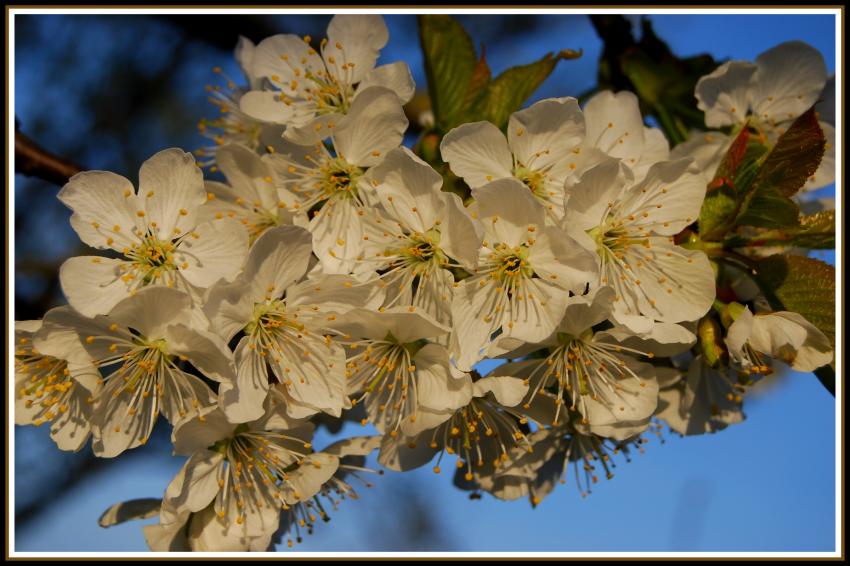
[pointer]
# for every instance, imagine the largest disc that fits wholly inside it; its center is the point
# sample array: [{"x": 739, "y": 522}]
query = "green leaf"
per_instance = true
[
  {"x": 450, "y": 64},
  {"x": 731, "y": 182},
  {"x": 792, "y": 160},
  {"x": 815, "y": 232},
  {"x": 768, "y": 208},
  {"x": 479, "y": 81},
  {"x": 800, "y": 284},
  {"x": 795, "y": 157},
  {"x": 506, "y": 93}
]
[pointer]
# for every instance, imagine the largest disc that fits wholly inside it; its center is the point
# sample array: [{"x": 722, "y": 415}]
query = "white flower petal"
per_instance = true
[
  {"x": 214, "y": 250},
  {"x": 267, "y": 106},
  {"x": 102, "y": 201},
  {"x": 314, "y": 129},
  {"x": 655, "y": 148},
  {"x": 725, "y": 93},
  {"x": 460, "y": 235},
  {"x": 93, "y": 284},
  {"x": 171, "y": 186},
  {"x": 478, "y": 152},
  {"x": 375, "y": 125},
  {"x": 324, "y": 294},
  {"x": 250, "y": 176},
  {"x": 543, "y": 135},
  {"x": 705, "y": 405},
  {"x": 668, "y": 199},
  {"x": 561, "y": 261},
  {"x": 613, "y": 124},
  {"x": 508, "y": 391},
  {"x": 192, "y": 434},
  {"x": 676, "y": 284},
  {"x": 395, "y": 76},
  {"x": 588, "y": 199},
  {"x": 277, "y": 58},
  {"x": 355, "y": 40},
  {"x": 242, "y": 399},
  {"x": 585, "y": 311},
  {"x": 277, "y": 260},
  {"x": 306, "y": 481},
  {"x": 204, "y": 350},
  {"x": 507, "y": 209},
  {"x": 130, "y": 510},
  {"x": 151, "y": 309},
  {"x": 338, "y": 231},
  {"x": 196, "y": 484},
  {"x": 229, "y": 307},
  {"x": 402, "y": 454},
  {"x": 436, "y": 388},
  {"x": 408, "y": 188},
  {"x": 788, "y": 81},
  {"x": 789, "y": 337},
  {"x": 707, "y": 150},
  {"x": 406, "y": 325}
]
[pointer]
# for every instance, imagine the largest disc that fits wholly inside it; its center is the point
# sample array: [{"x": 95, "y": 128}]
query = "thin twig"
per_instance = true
[{"x": 35, "y": 161}]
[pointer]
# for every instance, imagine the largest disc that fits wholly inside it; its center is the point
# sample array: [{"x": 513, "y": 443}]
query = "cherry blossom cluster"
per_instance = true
[{"x": 327, "y": 272}]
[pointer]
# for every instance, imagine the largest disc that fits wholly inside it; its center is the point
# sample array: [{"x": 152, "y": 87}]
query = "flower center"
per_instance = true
[
  {"x": 419, "y": 252},
  {"x": 152, "y": 259},
  {"x": 339, "y": 179},
  {"x": 328, "y": 93},
  {"x": 534, "y": 180},
  {"x": 43, "y": 381},
  {"x": 511, "y": 264}
]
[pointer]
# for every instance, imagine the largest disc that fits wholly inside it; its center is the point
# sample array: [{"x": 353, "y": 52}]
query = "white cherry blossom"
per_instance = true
[
  {"x": 241, "y": 475},
  {"x": 768, "y": 95},
  {"x": 394, "y": 366},
  {"x": 525, "y": 273},
  {"x": 317, "y": 90},
  {"x": 331, "y": 186},
  {"x": 542, "y": 150},
  {"x": 251, "y": 195},
  {"x": 139, "y": 345},
  {"x": 599, "y": 377},
  {"x": 783, "y": 335},
  {"x": 157, "y": 231},
  {"x": 55, "y": 382},
  {"x": 630, "y": 225},
  {"x": 284, "y": 317},
  {"x": 480, "y": 433},
  {"x": 420, "y": 234}
]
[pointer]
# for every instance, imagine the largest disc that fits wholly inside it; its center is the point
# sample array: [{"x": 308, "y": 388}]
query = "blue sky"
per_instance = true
[{"x": 764, "y": 485}]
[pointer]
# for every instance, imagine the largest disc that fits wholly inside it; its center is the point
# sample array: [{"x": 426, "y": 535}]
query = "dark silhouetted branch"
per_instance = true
[{"x": 35, "y": 161}]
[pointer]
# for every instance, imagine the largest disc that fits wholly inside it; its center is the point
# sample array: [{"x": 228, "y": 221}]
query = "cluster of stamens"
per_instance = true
[
  {"x": 580, "y": 368},
  {"x": 49, "y": 383},
  {"x": 480, "y": 435},
  {"x": 385, "y": 372},
  {"x": 148, "y": 376},
  {"x": 283, "y": 342},
  {"x": 254, "y": 459},
  {"x": 230, "y": 126}
]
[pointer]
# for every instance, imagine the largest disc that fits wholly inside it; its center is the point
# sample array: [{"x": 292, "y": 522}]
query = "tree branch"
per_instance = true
[{"x": 34, "y": 161}]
